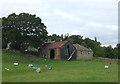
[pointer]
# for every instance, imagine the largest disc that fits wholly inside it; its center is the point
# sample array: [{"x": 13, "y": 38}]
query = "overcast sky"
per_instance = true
[{"x": 89, "y": 18}]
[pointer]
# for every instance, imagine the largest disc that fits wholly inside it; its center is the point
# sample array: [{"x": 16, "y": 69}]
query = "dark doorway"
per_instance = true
[
  {"x": 52, "y": 54},
  {"x": 68, "y": 50}
]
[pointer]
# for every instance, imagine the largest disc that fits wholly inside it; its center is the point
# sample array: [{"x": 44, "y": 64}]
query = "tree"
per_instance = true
[
  {"x": 96, "y": 39},
  {"x": 98, "y": 51},
  {"x": 23, "y": 30},
  {"x": 75, "y": 39},
  {"x": 118, "y": 50},
  {"x": 115, "y": 51},
  {"x": 109, "y": 52},
  {"x": 95, "y": 46},
  {"x": 61, "y": 36},
  {"x": 65, "y": 37},
  {"x": 54, "y": 37}
]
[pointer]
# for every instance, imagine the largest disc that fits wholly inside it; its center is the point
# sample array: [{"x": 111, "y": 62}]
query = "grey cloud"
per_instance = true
[{"x": 89, "y": 18}]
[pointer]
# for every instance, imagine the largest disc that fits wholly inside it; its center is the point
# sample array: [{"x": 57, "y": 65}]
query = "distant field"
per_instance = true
[{"x": 63, "y": 71}]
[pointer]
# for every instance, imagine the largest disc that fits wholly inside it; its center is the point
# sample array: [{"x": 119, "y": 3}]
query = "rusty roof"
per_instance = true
[
  {"x": 79, "y": 47},
  {"x": 57, "y": 44}
]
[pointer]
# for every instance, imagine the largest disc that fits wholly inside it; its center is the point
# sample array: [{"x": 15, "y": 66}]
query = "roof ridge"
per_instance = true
[
  {"x": 80, "y": 47},
  {"x": 57, "y": 44}
]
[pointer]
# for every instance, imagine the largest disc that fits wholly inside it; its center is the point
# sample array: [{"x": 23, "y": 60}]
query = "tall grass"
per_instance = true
[{"x": 63, "y": 71}]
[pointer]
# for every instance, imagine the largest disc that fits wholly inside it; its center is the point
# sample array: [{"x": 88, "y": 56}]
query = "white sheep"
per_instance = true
[
  {"x": 7, "y": 69},
  {"x": 106, "y": 67},
  {"x": 16, "y": 64},
  {"x": 30, "y": 65},
  {"x": 45, "y": 65},
  {"x": 38, "y": 70}
]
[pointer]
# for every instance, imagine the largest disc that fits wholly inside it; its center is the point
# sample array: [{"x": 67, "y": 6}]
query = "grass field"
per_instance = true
[{"x": 63, "y": 71}]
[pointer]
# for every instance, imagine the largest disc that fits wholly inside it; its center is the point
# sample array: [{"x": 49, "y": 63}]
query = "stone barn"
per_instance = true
[
  {"x": 63, "y": 50},
  {"x": 83, "y": 53}
]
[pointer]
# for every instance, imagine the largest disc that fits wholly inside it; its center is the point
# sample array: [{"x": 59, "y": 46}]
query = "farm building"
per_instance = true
[
  {"x": 83, "y": 53},
  {"x": 63, "y": 50}
]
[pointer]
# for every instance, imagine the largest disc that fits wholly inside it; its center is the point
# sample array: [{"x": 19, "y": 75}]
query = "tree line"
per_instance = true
[{"x": 25, "y": 30}]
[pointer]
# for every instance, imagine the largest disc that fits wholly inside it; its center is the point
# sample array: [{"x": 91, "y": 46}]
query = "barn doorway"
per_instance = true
[
  {"x": 52, "y": 54},
  {"x": 68, "y": 50}
]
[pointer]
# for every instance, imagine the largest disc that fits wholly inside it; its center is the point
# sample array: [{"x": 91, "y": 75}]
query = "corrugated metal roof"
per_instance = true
[
  {"x": 79, "y": 47},
  {"x": 57, "y": 44}
]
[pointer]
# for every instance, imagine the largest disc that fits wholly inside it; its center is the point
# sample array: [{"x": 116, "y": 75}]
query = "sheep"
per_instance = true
[
  {"x": 45, "y": 65},
  {"x": 7, "y": 69},
  {"x": 38, "y": 70},
  {"x": 15, "y": 64},
  {"x": 30, "y": 65},
  {"x": 106, "y": 67}
]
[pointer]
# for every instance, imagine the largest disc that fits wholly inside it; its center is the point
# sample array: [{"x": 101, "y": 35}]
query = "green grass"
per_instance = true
[{"x": 63, "y": 71}]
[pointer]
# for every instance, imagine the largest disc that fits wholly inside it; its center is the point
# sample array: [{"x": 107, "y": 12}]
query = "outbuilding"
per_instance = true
[
  {"x": 62, "y": 50},
  {"x": 83, "y": 53}
]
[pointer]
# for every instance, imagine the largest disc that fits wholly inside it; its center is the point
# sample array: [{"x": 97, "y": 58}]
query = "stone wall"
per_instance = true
[
  {"x": 105, "y": 59},
  {"x": 84, "y": 55}
]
